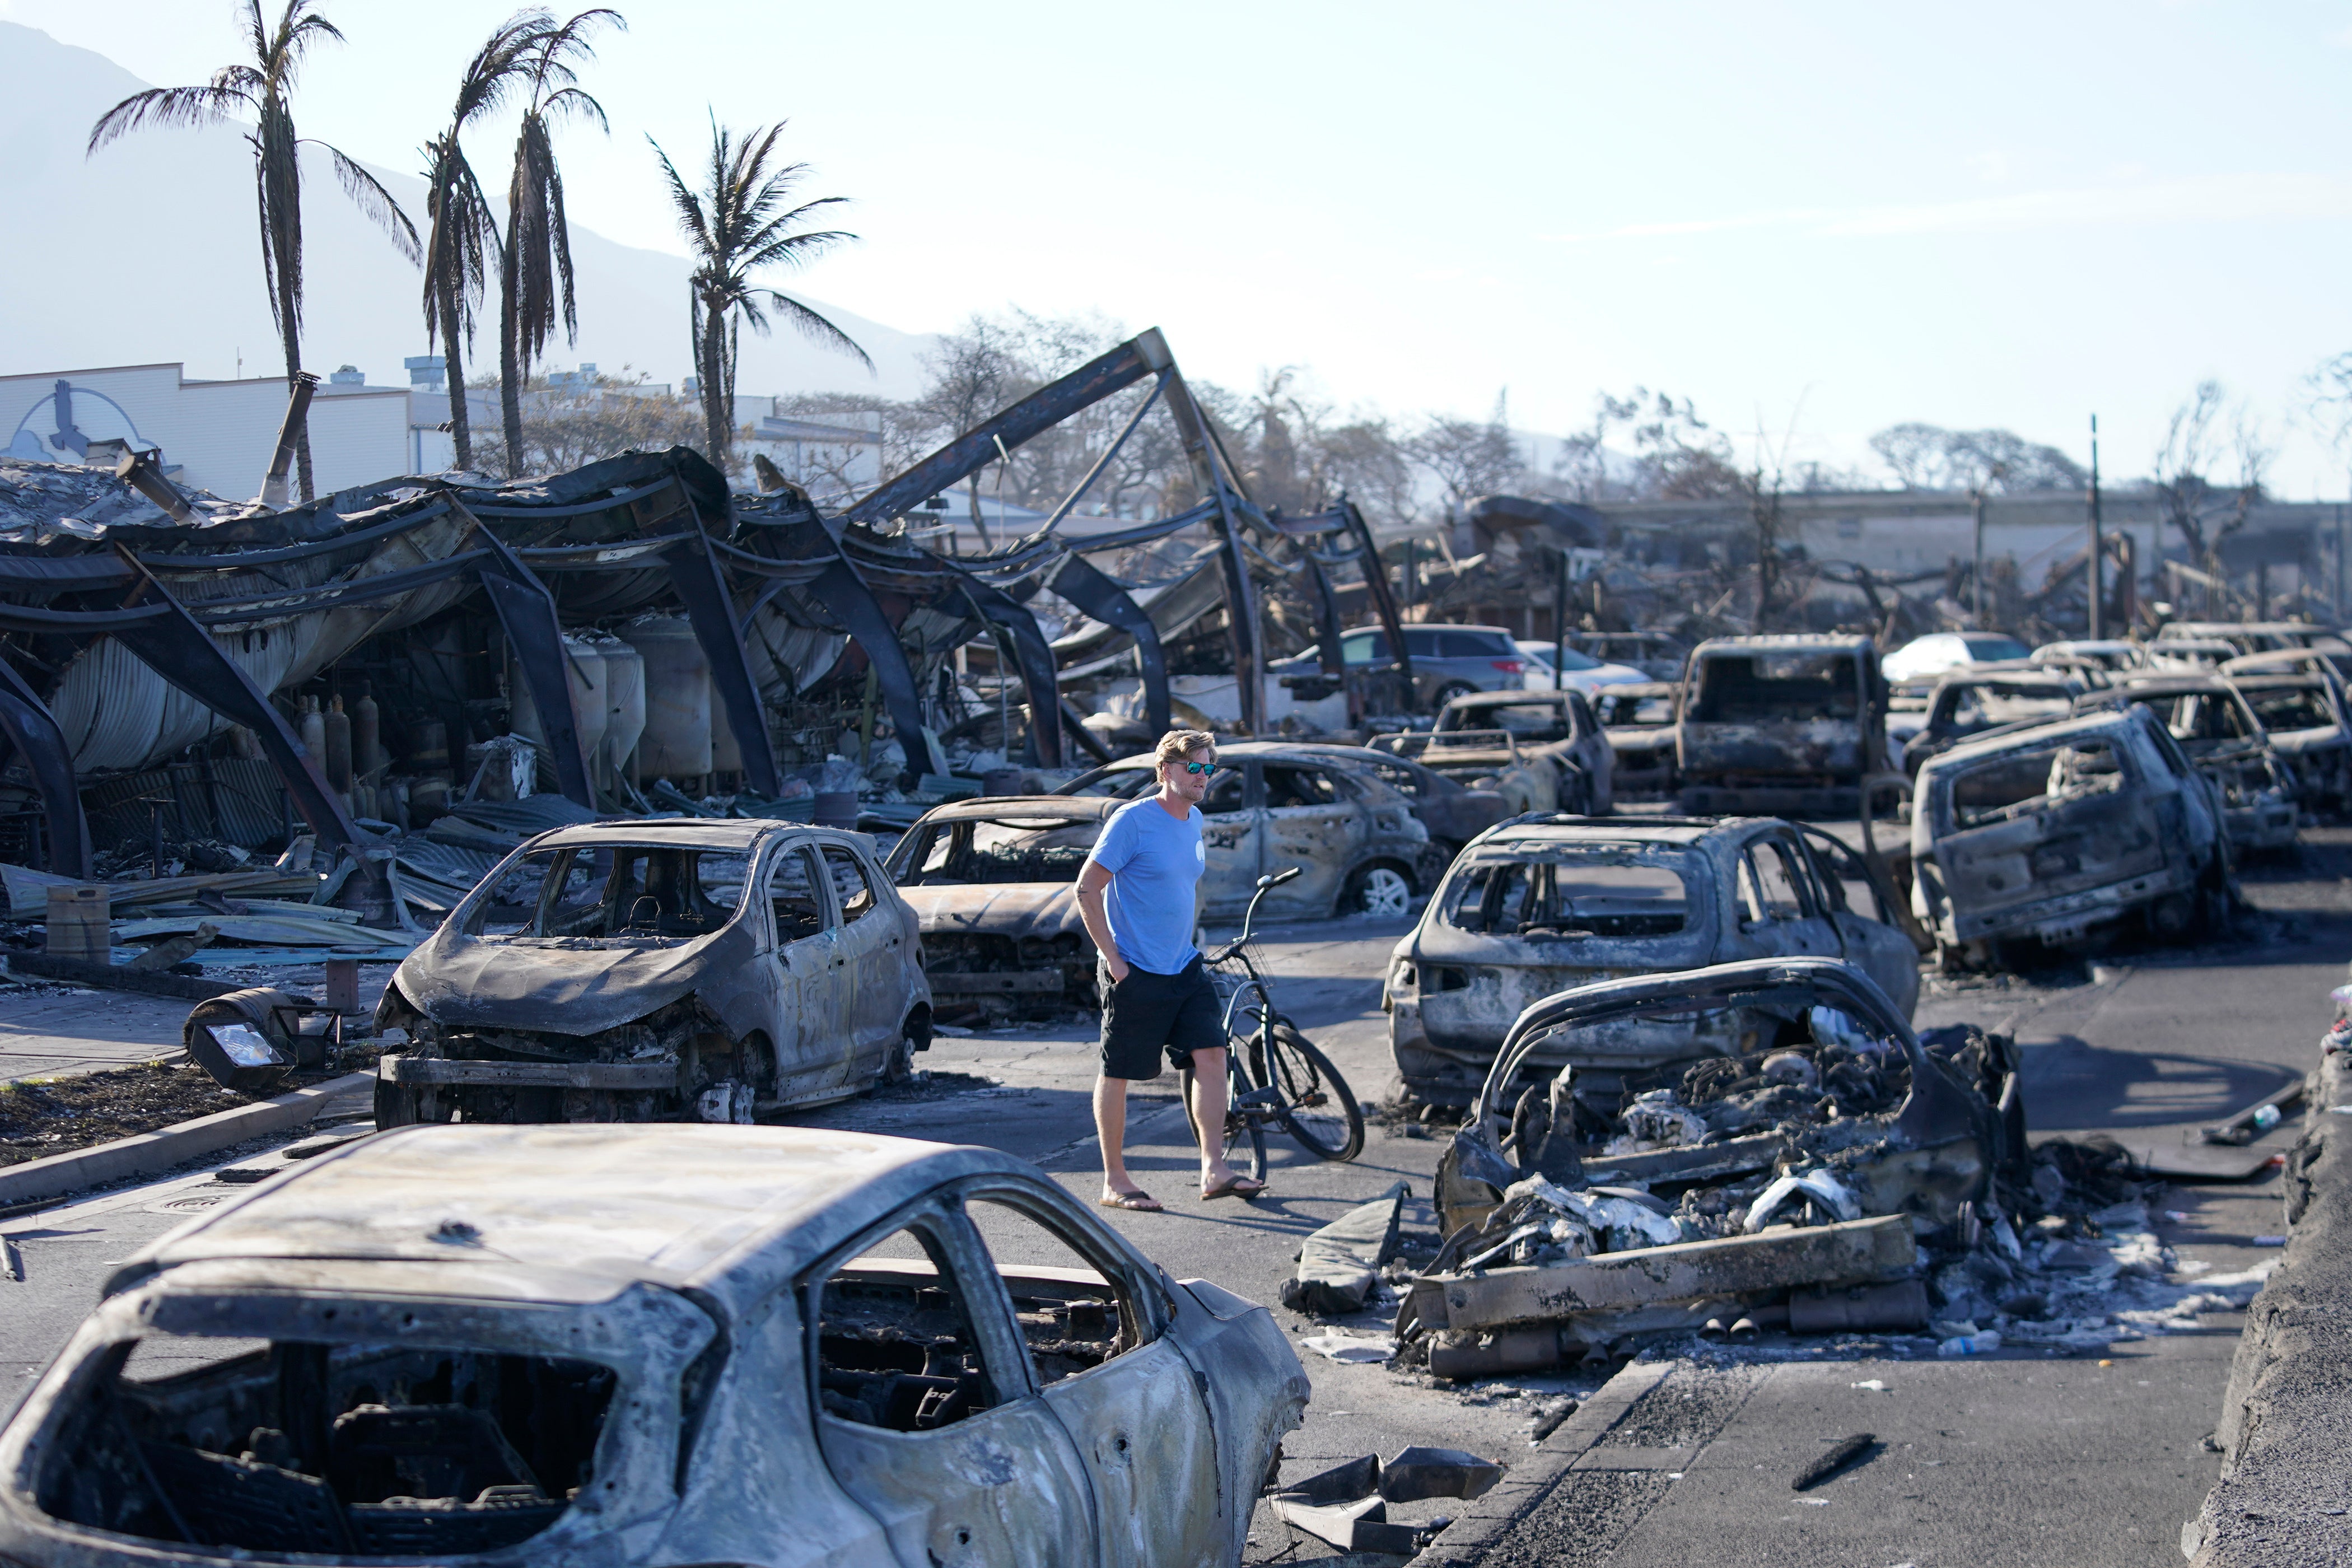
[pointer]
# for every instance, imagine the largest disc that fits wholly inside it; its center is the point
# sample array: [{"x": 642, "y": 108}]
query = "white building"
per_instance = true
[{"x": 216, "y": 436}]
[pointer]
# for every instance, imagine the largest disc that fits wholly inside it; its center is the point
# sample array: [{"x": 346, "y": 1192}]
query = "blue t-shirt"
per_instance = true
[{"x": 1154, "y": 860}]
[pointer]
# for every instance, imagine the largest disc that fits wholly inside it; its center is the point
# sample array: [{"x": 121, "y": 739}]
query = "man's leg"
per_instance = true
[
  {"x": 1110, "y": 1128},
  {"x": 1209, "y": 1115}
]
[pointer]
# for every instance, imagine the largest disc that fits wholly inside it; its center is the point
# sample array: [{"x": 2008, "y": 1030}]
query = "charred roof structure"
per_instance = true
[{"x": 137, "y": 621}]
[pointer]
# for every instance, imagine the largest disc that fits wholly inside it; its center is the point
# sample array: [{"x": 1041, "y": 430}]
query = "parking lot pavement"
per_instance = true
[
  {"x": 2016, "y": 1459},
  {"x": 47, "y": 1031}
]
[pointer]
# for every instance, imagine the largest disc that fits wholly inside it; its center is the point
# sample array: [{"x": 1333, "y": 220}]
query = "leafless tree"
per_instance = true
[
  {"x": 1469, "y": 458},
  {"x": 583, "y": 419},
  {"x": 1928, "y": 457}
]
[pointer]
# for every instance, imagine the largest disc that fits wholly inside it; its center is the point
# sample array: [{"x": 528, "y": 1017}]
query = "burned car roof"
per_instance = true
[
  {"x": 690, "y": 833},
  {"x": 1043, "y": 807},
  {"x": 673, "y": 1203},
  {"x": 1526, "y": 831},
  {"x": 2029, "y": 733}
]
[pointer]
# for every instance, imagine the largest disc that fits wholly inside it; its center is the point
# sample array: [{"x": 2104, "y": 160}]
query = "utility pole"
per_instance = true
[
  {"x": 2098, "y": 565},
  {"x": 1560, "y": 627},
  {"x": 1976, "y": 582}
]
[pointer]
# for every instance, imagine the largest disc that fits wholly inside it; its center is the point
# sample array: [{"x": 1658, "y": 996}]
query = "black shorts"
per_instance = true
[{"x": 1145, "y": 1013}]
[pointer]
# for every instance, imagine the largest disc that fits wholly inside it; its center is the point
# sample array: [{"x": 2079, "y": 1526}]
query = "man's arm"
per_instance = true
[{"x": 1092, "y": 879}]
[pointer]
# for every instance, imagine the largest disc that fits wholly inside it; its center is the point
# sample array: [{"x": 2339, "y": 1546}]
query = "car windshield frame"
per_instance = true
[{"x": 471, "y": 917}]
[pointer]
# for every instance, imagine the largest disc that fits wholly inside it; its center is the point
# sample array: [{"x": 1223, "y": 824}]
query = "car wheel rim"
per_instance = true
[{"x": 1386, "y": 893}]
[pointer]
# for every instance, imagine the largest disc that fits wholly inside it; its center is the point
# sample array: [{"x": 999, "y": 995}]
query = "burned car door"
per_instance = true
[
  {"x": 1871, "y": 924},
  {"x": 926, "y": 1410},
  {"x": 873, "y": 990},
  {"x": 1122, "y": 1389},
  {"x": 1779, "y": 909},
  {"x": 1233, "y": 842},
  {"x": 1311, "y": 823},
  {"x": 810, "y": 1054},
  {"x": 2027, "y": 826}
]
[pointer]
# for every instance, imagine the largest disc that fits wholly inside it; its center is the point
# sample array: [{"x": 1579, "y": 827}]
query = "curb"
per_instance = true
[
  {"x": 2284, "y": 1421},
  {"x": 1523, "y": 1486},
  {"x": 150, "y": 1153}
]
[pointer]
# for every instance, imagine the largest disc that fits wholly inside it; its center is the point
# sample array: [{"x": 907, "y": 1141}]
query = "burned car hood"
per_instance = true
[
  {"x": 997, "y": 909},
  {"x": 576, "y": 988}
]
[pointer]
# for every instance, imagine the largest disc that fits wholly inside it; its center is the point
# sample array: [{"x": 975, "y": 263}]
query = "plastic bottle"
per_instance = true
[{"x": 1981, "y": 1344}]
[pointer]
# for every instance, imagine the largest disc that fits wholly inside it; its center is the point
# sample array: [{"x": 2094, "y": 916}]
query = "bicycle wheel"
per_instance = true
[
  {"x": 1244, "y": 1141},
  {"x": 1319, "y": 1109}
]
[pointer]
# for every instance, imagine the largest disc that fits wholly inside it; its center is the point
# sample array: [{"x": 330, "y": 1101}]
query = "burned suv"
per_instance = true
[{"x": 659, "y": 972}]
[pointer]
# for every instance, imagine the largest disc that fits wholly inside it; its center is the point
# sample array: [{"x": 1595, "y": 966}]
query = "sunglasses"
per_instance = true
[{"x": 1203, "y": 768}]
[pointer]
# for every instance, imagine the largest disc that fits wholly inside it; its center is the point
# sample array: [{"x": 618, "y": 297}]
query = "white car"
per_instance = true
[
  {"x": 1939, "y": 651},
  {"x": 1585, "y": 673}
]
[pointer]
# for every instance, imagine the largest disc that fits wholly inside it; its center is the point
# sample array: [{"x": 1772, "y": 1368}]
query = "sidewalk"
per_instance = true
[{"x": 48, "y": 1033}]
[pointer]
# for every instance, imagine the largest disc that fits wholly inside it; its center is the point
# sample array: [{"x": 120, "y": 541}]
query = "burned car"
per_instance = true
[
  {"x": 643, "y": 971},
  {"x": 1542, "y": 905},
  {"x": 649, "y": 1344},
  {"x": 1639, "y": 722},
  {"x": 2221, "y": 735},
  {"x": 1972, "y": 699},
  {"x": 993, "y": 884},
  {"x": 1524, "y": 776},
  {"x": 1560, "y": 725},
  {"x": 1787, "y": 725},
  {"x": 2051, "y": 832},
  {"x": 1271, "y": 806},
  {"x": 2301, "y": 706},
  {"x": 1455, "y": 813},
  {"x": 1811, "y": 1142}
]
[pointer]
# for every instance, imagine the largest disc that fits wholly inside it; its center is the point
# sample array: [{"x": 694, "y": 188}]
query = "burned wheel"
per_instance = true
[{"x": 1379, "y": 890}]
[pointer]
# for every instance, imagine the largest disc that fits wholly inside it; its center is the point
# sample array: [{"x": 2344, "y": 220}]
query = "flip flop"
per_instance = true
[
  {"x": 1137, "y": 1201},
  {"x": 1239, "y": 1187}
]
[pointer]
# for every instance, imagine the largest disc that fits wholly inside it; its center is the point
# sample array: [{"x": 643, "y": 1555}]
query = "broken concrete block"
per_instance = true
[
  {"x": 1853, "y": 1252},
  {"x": 1339, "y": 1265},
  {"x": 1419, "y": 1473},
  {"x": 1351, "y": 1482},
  {"x": 1351, "y": 1526}
]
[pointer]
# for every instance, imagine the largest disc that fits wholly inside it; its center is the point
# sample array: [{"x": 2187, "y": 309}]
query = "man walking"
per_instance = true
[{"x": 1136, "y": 895}]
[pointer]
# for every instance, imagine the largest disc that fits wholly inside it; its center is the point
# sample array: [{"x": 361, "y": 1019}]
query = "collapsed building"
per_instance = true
[{"x": 630, "y": 635}]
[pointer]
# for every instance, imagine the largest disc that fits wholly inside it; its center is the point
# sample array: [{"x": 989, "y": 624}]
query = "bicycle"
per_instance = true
[{"x": 1275, "y": 1074}]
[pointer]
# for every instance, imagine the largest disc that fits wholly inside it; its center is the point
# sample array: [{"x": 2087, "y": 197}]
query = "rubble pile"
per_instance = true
[{"x": 1841, "y": 1175}]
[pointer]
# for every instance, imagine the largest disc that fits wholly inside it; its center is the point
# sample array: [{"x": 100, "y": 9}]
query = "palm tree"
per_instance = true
[
  {"x": 461, "y": 247},
  {"x": 263, "y": 88},
  {"x": 737, "y": 227},
  {"x": 535, "y": 264}
]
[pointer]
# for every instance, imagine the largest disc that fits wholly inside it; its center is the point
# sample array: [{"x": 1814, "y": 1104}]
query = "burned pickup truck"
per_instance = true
[
  {"x": 1539, "y": 906},
  {"x": 1806, "y": 1142},
  {"x": 649, "y": 1345},
  {"x": 2053, "y": 831},
  {"x": 636, "y": 971},
  {"x": 1789, "y": 725}
]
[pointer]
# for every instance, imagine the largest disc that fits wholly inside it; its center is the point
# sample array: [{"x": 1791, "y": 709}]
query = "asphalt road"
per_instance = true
[{"x": 2018, "y": 1458}]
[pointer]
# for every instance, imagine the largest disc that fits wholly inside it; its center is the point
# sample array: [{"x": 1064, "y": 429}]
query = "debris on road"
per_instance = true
[
  {"x": 1347, "y": 1505},
  {"x": 1339, "y": 1266}
]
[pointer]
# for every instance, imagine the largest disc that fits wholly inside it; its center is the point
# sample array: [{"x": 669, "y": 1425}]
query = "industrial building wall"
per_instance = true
[{"x": 219, "y": 434}]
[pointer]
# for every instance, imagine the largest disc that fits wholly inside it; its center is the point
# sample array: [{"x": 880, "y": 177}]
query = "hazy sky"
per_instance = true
[{"x": 1816, "y": 220}]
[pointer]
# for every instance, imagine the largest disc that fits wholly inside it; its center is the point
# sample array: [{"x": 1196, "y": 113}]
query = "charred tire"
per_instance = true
[
  {"x": 1377, "y": 890},
  {"x": 899, "y": 1062},
  {"x": 1322, "y": 1113}
]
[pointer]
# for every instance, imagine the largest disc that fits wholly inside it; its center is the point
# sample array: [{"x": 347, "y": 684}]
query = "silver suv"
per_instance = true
[{"x": 1447, "y": 662}]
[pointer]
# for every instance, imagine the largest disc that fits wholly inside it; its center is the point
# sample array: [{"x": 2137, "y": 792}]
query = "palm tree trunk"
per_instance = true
[
  {"x": 302, "y": 432},
  {"x": 509, "y": 356},
  {"x": 461, "y": 432},
  {"x": 715, "y": 411}
]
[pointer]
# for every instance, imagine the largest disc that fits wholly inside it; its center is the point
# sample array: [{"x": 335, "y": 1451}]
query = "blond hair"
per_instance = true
[{"x": 1176, "y": 742}]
